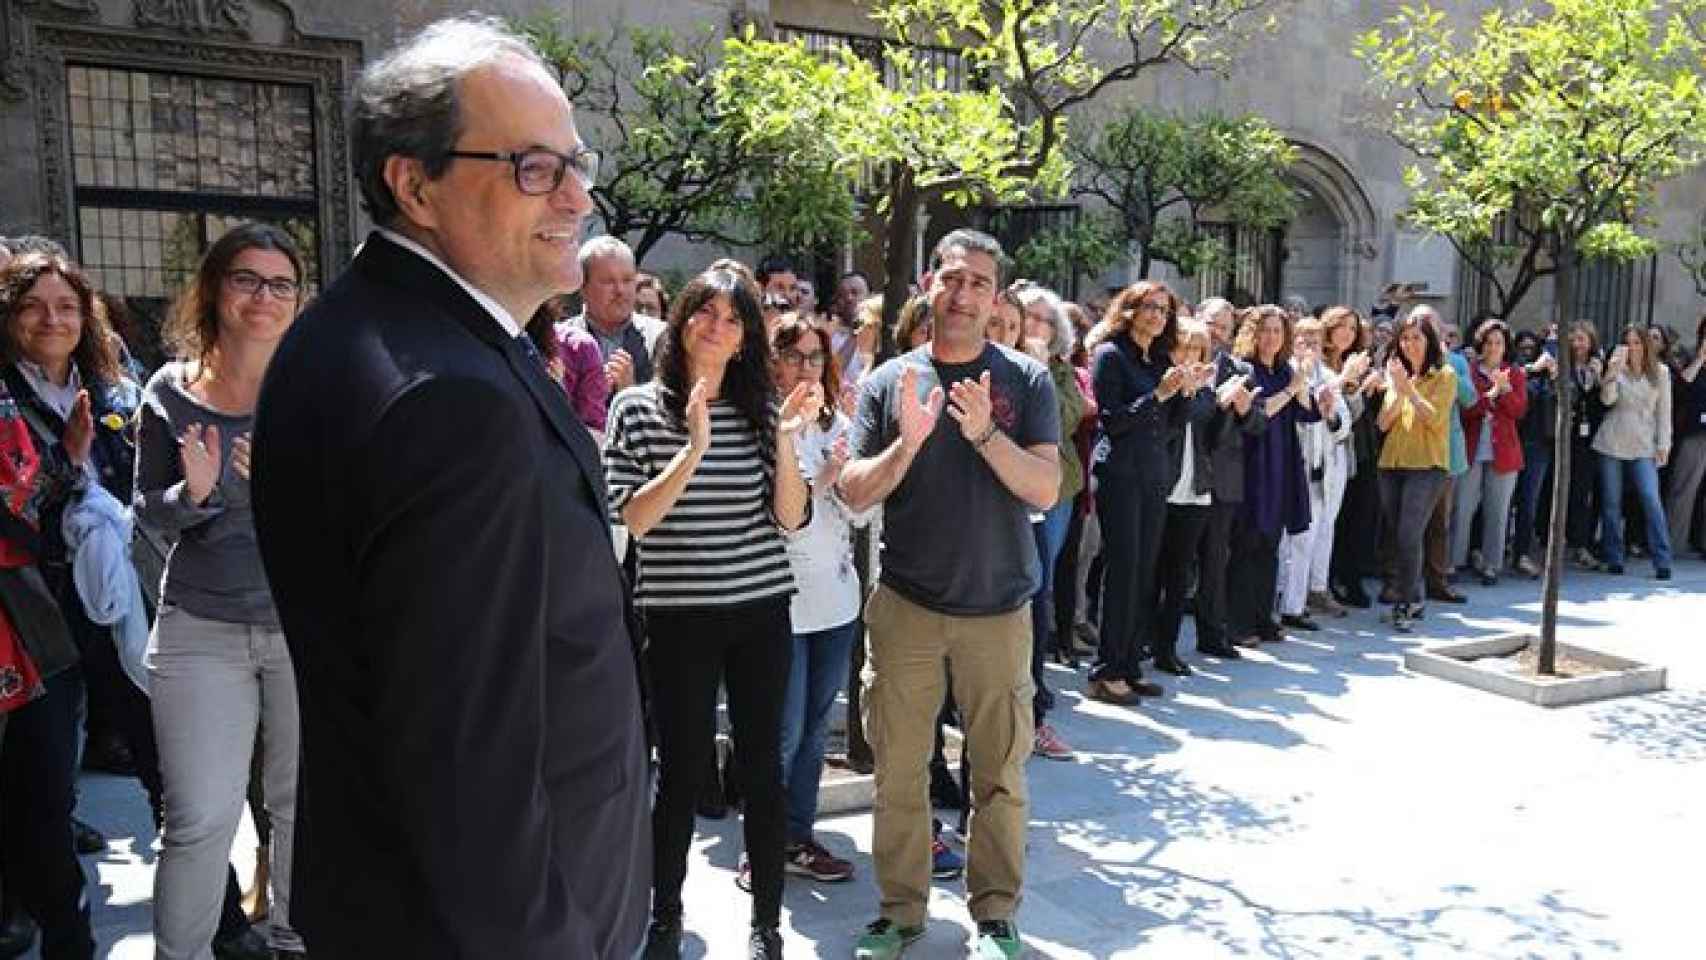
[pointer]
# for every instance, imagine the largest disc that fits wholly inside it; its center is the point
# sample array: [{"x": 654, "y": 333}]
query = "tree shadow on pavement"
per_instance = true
[{"x": 1669, "y": 725}]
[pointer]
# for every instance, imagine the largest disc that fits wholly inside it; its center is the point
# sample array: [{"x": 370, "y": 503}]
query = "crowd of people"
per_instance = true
[{"x": 438, "y": 571}]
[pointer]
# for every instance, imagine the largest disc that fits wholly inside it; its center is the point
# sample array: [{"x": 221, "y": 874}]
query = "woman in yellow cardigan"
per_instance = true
[{"x": 1415, "y": 416}]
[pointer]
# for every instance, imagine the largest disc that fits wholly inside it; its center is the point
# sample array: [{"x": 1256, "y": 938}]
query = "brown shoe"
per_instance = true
[
  {"x": 1323, "y": 603},
  {"x": 1116, "y": 692},
  {"x": 1144, "y": 688}
]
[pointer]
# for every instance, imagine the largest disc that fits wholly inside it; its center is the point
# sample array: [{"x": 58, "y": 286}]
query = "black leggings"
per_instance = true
[
  {"x": 749, "y": 649},
  {"x": 1250, "y": 582}
]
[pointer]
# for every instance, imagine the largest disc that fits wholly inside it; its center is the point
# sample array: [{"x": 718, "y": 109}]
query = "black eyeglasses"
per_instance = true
[
  {"x": 248, "y": 283},
  {"x": 540, "y": 170},
  {"x": 796, "y": 358}
]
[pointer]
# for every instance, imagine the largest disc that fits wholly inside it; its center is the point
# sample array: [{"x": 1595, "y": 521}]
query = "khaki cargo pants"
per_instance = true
[{"x": 907, "y": 649}]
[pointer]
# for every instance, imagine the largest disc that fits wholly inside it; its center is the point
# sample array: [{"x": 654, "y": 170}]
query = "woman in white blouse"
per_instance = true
[
  {"x": 825, "y": 610},
  {"x": 1633, "y": 442}
]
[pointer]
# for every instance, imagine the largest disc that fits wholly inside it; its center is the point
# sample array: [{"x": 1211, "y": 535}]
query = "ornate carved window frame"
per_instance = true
[{"x": 326, "y": 66}]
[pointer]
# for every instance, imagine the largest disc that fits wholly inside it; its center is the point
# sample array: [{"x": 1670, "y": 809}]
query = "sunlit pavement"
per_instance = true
[{"x": 1310, "y": 801}]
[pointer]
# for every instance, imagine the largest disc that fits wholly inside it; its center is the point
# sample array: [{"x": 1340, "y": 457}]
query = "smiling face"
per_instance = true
[
  {"x": 48, "y": 321},
  {"x": 1637, "y": 345},
  {"x": 1493, "y": 347},
  {"x": 714, "y": 333},
  {"x": 1413, "y": 344},
  {"x": 519, "y": 249},
  {"x": 261, "y": 315},
  {"x": 1039, "y": 321},
  {"x": 1270, "y": 338}
]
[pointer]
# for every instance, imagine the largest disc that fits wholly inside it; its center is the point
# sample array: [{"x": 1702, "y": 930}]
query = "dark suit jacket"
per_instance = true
[{"x": 473, "y": 779}]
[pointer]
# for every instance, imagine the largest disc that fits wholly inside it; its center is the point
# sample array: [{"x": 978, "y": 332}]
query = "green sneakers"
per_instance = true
[
  {"x": 886, "y": 940},
  {"x": 998, "y": 940}
]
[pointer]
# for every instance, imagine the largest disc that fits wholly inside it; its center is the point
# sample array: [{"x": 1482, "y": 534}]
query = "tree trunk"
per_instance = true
[
  {"x": 1564, "y": 284},
  {"x": 1144, "y": 263},
  {"x": 899, "y": 253}
]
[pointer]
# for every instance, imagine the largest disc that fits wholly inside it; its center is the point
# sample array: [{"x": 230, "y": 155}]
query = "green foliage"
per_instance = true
[
  {"x": 1574, "y": 116},
  {"x": 673, "y": 164},
  {"x": 970, "y": 100},
  {"x": 1091, "y": 246},
  {"x": 1162, "y": 175}
]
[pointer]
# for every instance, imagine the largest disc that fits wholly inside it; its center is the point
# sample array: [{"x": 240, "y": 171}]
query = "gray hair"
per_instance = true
[
  {"x": 407, "y": 103},
  {"x": 1296, "y": 306},
  {"x": 603, "y": 247},
  {"x": 972, "y": 241},
  {"x": 1061, "y": 337},
  {"x": 1214, "y": 307}
]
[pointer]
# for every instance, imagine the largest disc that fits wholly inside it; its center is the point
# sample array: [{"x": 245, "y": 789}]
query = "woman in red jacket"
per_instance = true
[{"x": 1494, "y": 446}]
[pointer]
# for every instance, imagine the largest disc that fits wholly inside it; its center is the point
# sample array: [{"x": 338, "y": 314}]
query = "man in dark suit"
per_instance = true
[{"x": 432, "y": 519}]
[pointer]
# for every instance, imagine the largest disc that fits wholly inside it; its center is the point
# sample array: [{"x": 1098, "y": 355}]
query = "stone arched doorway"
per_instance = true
[{"x": 1333, "y": 235}]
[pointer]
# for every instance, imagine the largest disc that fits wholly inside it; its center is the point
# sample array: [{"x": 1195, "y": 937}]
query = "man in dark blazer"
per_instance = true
[{"x": 431, "y": 515}]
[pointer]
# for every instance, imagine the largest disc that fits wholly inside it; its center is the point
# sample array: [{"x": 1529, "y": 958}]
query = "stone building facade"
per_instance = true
[{"x": 136, "y": 130}]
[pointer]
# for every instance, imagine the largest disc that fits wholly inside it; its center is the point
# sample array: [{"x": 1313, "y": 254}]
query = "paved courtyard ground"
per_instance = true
[{"x": 1311, "y": 801}]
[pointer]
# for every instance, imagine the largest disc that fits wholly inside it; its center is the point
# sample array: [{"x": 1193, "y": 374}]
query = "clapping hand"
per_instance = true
[
  {"x": 619, "y": 370},
  {"x": 1397, "y": 376},
  {"x": 699, "y": 418},
  {"x": 917, "y": 417},
  {"x": 802, "y": 407},
  {"x": 1619, "y": 360},
  {"x": 1327, "y": 400},
  {"x": 837, "y": 457},
  {"x": 199, "y": 453},
  {"x": 1355, "y": 366},
  {"x": 1501, "y": 381},
  {"x": 242, "y": 451},
  {"x": 969, "y": 403},
  {"x": 79, "y": 434},
  {"x": 1171, "y": 383}
]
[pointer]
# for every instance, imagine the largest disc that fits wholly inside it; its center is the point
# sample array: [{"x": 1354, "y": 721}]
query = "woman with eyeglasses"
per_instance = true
[
  {"x": 218, "y": 663},
  {"x": 824, "y": 613},
  {"x": 1140, "y": 394},
  {"x": 704, "y": 471}
]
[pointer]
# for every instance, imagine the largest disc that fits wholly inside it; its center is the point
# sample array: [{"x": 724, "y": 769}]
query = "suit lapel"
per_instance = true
[{"x": 393, "y": 265}]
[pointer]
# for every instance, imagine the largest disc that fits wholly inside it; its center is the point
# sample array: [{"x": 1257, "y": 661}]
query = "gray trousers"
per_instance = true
[
  {"x": 1687, "y": 468},
  {"x": 1408, "y": 497},
  {"x": 1491, "y": 491},
  {"x": 212, "y": 683}
]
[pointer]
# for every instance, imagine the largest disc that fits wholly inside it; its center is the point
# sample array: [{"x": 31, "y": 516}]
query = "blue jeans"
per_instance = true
[
  {"x": 818, "y": 674},
  {"x": 1536, "y": 465},
  {"x": 1050, "y": 536},
  {"x": 1645, "y": 475}
]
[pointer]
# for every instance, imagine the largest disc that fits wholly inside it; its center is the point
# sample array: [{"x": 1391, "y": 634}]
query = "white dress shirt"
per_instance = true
[{"x": 494, "y": 308}]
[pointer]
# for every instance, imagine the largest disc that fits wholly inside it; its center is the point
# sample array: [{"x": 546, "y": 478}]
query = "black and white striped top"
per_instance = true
[{"x": 719, "y": 546}]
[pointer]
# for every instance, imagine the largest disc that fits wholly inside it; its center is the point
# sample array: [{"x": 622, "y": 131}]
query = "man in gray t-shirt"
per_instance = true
[{"x": 959, "y": 567}]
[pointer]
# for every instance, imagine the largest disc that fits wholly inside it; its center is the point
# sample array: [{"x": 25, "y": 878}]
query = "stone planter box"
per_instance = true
[{"x": 1457, "y": 662}]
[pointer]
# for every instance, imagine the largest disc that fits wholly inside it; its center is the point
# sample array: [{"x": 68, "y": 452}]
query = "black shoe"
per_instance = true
[
  {"x": 109, "y": 754},
  {"x": 1354, "y": 596},
  {"x": 663, "y": 938},
  {"x": 1299, "y": 622},
  {"x": 1615, "y": 569},
  {"x": 1489, "y": 578},
  {"x": 1225, "y": 651},
  {"x": 246, "y": 944},
  {"x": 87, "y": 839},
  {"x": 1168, "y": 663},
  {"x": 1446, "y": 595},
  {"x": 764, "y": 944},
  {"x": 1663, "y": 573},
  {"x": 1402, "y": 618},
  {"x": 17, "y": 935}
]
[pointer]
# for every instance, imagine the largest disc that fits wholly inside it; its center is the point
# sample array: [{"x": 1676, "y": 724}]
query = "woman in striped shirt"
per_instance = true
[{"x": 703, "y": 471}]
